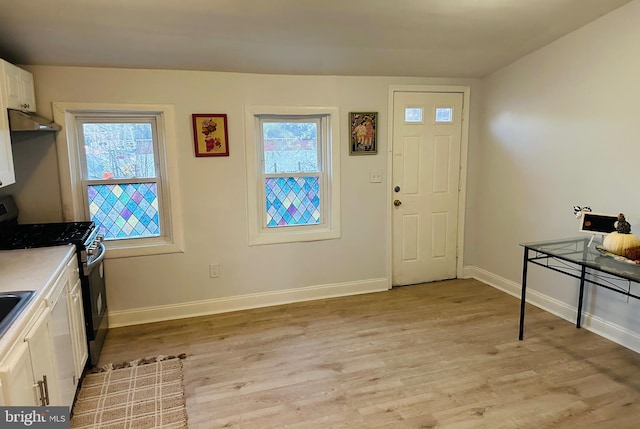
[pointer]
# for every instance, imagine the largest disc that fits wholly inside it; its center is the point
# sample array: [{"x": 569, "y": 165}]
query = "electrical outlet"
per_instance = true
[
  {"x": 375, "y": 176},
  {"x": 214, "y": 271}
]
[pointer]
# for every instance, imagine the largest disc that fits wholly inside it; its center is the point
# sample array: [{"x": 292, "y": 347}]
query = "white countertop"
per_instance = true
[{"x": 29, "y": 269}]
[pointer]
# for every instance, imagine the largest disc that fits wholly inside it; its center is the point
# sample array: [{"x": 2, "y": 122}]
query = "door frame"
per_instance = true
[{"x": 465, "y": 90}]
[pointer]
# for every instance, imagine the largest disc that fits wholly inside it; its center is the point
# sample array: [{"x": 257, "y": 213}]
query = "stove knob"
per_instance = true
[{"x": 90, "y": 251}]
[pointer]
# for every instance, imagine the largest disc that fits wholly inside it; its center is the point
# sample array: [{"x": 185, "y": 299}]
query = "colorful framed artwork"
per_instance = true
[
  {"x": 363, "y": 127},
  {"x": 210, "y": 134}
]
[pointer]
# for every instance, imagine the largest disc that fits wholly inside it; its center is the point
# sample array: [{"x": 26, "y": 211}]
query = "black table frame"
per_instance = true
[{"x": 572, "y": 258}]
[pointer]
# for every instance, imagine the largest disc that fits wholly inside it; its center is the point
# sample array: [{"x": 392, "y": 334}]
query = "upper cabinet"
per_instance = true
[
  {"x": 7, "y": 173},
  {"x": 16, "y": 92},
  {"x": 19, "y": 90}
]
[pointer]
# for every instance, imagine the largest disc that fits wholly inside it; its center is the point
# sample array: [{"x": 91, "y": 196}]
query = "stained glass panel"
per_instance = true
[
  {"x": 292, "y": 201},
  {"x": 125, "y": 210}
]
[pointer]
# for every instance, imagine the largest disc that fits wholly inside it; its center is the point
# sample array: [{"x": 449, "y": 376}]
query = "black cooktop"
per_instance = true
[
  {"x": 44, "y": 234},
  {"x": 25, "y": 236}
]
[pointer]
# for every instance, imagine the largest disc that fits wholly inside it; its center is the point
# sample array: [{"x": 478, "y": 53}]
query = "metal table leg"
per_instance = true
[
  {"x": 525, "y": 263},
  {"x": 580, "y": 298}
]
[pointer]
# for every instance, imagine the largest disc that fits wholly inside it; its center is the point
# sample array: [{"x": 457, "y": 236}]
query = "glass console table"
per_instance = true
[{"x": 575, "y": 258}]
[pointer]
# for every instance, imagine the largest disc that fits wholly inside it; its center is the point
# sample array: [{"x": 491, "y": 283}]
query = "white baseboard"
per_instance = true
[
  {"x": 243, "y": 302},
  {"x": 595, "y": 324}
]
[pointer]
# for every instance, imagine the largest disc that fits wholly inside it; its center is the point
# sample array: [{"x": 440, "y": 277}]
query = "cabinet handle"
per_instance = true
[
  {"x": 46, "y": 389},
  {"x": 41, "y": 389}
]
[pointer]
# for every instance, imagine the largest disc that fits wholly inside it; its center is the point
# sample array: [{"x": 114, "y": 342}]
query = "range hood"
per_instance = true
[{"x": 29, "y": 121}]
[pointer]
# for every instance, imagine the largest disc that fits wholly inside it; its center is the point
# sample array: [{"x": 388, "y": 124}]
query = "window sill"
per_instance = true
[
  {"x": 278, "y": 236},
  {"x": 117, "y": 250}
]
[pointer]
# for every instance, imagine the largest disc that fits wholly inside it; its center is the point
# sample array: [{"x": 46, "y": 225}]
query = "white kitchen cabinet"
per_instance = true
[
  {"x": 64, "y": 300},
  {"x": 19, "y": 89},
  {"x": 43, "y": 363},
  {"x": 28, "y": 373},
  {"x": 58, "y": 303},
  {"x": 78, "y": 330},
  {"x": 45, "y": 358},
  {"x": 16, "y": 377},
  {"x": 16, "y": 92},
  {"x": 7, "y": 174}
]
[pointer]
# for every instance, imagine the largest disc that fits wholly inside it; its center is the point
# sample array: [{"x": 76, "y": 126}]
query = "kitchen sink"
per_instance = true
[{"x": 11, "y": 305}]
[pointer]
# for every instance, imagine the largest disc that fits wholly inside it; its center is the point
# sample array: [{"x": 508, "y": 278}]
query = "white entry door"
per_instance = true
[{"x": 427, "y": 134}]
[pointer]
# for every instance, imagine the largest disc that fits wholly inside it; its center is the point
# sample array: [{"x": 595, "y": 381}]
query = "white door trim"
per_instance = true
[{"x": 462, "y": 195}]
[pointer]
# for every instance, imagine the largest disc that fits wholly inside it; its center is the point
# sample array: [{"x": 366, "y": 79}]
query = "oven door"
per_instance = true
[{"x": 94, "y": 295}]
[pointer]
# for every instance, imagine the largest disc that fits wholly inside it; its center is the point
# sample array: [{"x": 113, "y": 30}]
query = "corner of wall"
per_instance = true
[{"x": 597, "y": 325}]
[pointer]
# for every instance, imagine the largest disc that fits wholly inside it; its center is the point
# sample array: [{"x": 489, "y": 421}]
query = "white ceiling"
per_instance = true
[{"x": 435, "y": 38}]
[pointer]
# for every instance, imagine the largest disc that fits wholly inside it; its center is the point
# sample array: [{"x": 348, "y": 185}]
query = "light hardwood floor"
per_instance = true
[{"x": 439, "y": 355}]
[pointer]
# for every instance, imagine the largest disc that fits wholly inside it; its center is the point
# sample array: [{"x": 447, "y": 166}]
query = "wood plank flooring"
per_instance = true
[{"x": 439, "y": 355}]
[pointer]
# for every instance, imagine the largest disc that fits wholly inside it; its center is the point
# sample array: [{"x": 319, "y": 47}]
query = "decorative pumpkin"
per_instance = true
[{"x": 621, "y": 239}]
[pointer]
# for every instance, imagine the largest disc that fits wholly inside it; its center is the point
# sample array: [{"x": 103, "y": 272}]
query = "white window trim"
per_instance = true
[
  {"x": 70, "y": 168},
  {"x": 330, "y": 228}
]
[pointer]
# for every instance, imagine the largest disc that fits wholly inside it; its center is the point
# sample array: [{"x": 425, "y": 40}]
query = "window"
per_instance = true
[
  {"x": 120, "y": 175},
  {"x": 444, "y": 114},
  {"x": 118, "y": 168},
  {"x": 413, "y": 115},
  {"x": 293, "y": 174}
]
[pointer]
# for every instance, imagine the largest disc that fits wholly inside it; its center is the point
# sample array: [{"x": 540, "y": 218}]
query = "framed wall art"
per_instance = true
[
  {"x": 210, "y": 134},
  {"x": 363, "y": 128}
]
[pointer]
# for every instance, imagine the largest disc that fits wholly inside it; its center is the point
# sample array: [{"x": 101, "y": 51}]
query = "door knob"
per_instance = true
[{"x": 397, "y": 203}]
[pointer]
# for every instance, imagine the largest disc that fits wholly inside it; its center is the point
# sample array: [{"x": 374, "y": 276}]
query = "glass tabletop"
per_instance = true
[{"x": 578, "y": 251}]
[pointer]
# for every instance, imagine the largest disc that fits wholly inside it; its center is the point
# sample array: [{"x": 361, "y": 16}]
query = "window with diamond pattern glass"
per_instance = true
[
  {"x": 121, "y": 179},
  {"x": 291, "y": 173}
]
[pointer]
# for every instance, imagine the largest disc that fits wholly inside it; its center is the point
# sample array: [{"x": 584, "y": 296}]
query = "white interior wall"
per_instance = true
[
  {"x": 560, "y": 127},
  {"x": 214, "y": 189}
]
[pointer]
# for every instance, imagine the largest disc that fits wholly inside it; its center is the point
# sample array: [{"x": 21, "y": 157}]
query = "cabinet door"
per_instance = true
[
  {"x": 12, "y": 85},
  {"x": 63, "y": 344},
  {"x": 16, "y": 375},
  {"x": 78, "y": 331},
  {"x": 20, "y": 92},
  {"x": 7, "y": 174},
  {"x": 42, "y": 356},
  {"x": 27, "y": 91}
]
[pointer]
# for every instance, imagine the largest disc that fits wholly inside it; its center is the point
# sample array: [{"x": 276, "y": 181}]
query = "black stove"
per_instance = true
[{"x": 45, "y": 234}]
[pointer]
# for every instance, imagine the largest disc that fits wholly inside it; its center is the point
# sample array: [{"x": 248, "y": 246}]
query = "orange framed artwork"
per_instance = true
[{"x": 210, "y": 134}]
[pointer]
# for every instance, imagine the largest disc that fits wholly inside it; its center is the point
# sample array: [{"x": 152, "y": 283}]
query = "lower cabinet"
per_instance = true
[
  {"x": 45, "y": 364},
  {"x": 58, "y": 303},
  {"x": 16, "y": 376},
  {"x": 28, "y": 374},
  {"x": 78, "y": 329}
]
